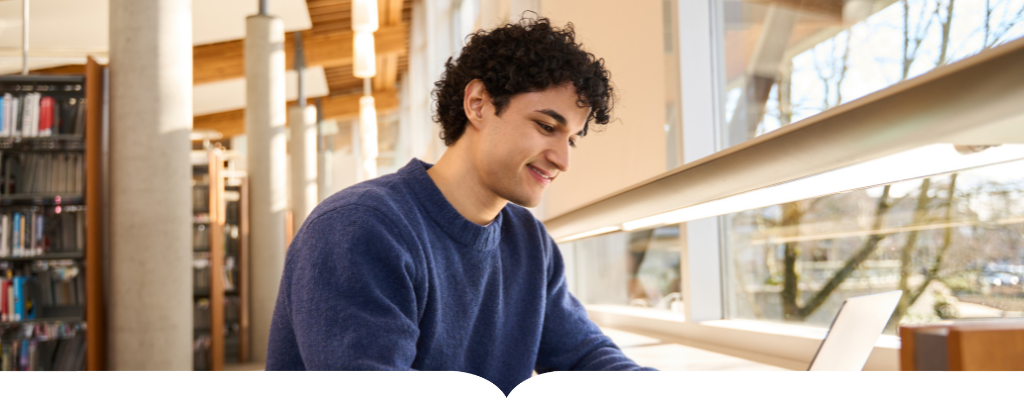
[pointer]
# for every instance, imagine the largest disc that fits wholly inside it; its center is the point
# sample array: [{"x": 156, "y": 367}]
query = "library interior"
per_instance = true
[{"x": 765, "y": 161}]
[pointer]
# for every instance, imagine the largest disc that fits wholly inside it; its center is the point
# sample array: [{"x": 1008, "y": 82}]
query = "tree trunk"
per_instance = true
[
  {"x": 854, "y": 261},
  {"x": 907, "y": 253},
  {"x": 791, "y": 215}
]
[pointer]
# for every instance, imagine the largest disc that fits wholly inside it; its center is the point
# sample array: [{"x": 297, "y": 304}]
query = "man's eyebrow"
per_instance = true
[
  {"x": 560, "y": 119},
  {"x": 554, "y": 115}
]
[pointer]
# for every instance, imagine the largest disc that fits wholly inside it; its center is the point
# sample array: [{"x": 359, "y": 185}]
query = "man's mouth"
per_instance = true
[{"x": 540, "y": 175}]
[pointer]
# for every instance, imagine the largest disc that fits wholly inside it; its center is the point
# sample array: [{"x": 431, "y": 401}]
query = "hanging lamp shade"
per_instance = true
[
  {"x": 368, "y": 127},
  {"x": 364, "y": 16},
  {"x": 365, "y": 64}
]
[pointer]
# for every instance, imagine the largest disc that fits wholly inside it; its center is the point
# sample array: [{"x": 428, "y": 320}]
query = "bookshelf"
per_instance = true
[
  {"x": 220, "y": 269},
  {"x": 51, "y": 250}
]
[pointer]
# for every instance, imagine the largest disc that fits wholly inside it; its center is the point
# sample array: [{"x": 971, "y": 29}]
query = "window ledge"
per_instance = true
[{"x": 789, "y": 346}]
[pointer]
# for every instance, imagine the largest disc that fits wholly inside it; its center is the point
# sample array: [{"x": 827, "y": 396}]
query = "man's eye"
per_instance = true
[
  {"x": 572, "y": 142},
  {"x": 546, "y": 128}
]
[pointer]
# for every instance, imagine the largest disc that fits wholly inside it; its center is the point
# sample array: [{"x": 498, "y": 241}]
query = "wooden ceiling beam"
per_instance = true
[
  {"x": 232, "y": 123},
  {"x": 226, "y": 60},
  {"x": 336, "y": 49},
  {"x": 387, "y": 72},
  {"x": 390, "y": 15},
  {"x": 321, "y": 3},
  {"x": 389, "y": 12}
]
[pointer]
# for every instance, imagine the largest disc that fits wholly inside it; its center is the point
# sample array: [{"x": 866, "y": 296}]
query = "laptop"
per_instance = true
[{"x": 854, "y": 331}]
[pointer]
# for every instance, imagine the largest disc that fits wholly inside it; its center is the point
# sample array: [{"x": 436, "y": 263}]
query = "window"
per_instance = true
[
  {"x": 953, "y": 243},
  {"x": 917, "y": 188},
  {"x": 785, "y": 61},
  {"x": 639, "y": 269}
]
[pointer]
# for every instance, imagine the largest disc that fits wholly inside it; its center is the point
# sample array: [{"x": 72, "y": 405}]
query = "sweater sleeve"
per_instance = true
[
  {"x": 570, "y": 340},
  {"x": 347, "y": 295}
]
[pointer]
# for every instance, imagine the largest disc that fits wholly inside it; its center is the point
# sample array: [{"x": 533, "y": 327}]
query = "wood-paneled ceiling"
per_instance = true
[{"x": 329, "y": 44}]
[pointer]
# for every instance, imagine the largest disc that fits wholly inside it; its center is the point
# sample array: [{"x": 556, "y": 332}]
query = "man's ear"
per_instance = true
[{"x": 473, "y": 102}]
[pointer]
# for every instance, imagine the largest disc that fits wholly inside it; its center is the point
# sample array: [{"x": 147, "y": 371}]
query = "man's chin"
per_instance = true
[{"x": 526, "y": 201}]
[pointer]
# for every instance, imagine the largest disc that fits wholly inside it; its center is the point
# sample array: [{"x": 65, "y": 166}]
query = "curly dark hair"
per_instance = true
[{"x": 520, "y": 58}]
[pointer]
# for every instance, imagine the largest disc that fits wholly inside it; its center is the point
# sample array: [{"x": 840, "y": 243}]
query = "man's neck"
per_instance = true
[{"x": 460, "y": 183}]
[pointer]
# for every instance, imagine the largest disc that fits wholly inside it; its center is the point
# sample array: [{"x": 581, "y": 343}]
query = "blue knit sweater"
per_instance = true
[{"x": 387, "y": 275}]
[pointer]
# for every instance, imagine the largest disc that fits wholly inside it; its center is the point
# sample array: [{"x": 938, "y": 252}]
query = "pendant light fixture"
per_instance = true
[{"x": 364, "y": 23}]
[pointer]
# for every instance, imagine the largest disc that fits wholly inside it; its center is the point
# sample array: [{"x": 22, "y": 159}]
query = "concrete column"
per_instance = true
[
  {"x": 150, "y": 268},
  {"x": 267, "y": 156},
  {"x": 302, "y": 147},
  {"x": 324, "y": 173},
  {"x": 324, "y": 155}
]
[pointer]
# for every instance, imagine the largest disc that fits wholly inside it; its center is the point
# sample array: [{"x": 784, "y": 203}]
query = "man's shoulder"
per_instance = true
[
  {"x": 525, "y": 225},
  {"x": 380, "y": 201}
]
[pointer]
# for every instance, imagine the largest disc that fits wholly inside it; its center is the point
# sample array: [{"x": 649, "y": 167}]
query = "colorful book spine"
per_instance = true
[
  {"x": 45, "y": 116},
  {"x": 28, "y": 297},
  {"x": 10, "y": 299},
  {"x": 5, "y": 235},
  {"x": 21, "y": 235},
  {"x": 26, "y": 115},
  {"x": 3, "y": 115},
  {"x": 39, "y": 235},
  {"x": 34, "y": 122},
  {"x": 15, "y": 246},
  {"x": 3, "y": 300},
  {"x": 19, "y": 303},
  {"x": 15, "y": 116},
  {"x": 23, "y": 355}
]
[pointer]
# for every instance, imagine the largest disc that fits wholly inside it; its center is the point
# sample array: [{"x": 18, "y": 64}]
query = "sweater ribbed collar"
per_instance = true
[{"x": 444, "y": 214}]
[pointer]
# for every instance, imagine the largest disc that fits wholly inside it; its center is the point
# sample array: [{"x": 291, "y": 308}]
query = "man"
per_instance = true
[{"x": 436, "y": 267}]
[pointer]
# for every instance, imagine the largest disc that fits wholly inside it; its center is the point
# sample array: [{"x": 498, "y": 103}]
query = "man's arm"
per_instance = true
[
  {"x": 570, "y": 340},
  {"x": 347, "y": 296}
]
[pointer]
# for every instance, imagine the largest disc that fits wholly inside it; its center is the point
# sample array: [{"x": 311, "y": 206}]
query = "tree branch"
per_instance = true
[
  {"x": 851, "y": 264},
  {"x": 947, "y": 237}
]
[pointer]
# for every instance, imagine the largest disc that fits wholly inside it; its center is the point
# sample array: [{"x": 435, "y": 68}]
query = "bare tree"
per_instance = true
[
  {"x": 833, "y": 69},
  {"x": 913, "y": 37},
  {"x": 792, "y": 213},
  {"x": 996, "y": 34},
  {"x": 947, "y": 24},
  {"x": 910, "y": 295}
]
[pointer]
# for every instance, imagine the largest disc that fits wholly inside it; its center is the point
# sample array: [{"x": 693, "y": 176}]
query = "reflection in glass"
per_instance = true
[
  {"x": 953, "y": 243},
  {"x": 785, "y": 61},
  {"x": 638, "y": 268}
]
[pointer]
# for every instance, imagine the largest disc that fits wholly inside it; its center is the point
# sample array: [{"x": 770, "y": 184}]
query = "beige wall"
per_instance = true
[{"x": 631, "y": 148}]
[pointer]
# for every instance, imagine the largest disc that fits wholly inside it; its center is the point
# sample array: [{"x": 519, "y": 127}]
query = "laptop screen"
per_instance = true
[{"x": 854, "y": 331}]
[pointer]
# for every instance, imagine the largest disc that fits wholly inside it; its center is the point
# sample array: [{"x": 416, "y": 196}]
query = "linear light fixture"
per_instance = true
[
  {"x": 365, "y": 16},
  {"x": 364, "y": 65},
  {"x": 595, "y": 232},
  {"x": 916, "y": 163},
  {"x": 368, "y": 135}
]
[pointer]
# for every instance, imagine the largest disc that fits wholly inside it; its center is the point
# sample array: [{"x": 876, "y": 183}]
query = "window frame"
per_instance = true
[{"x": 977, "y": 95}]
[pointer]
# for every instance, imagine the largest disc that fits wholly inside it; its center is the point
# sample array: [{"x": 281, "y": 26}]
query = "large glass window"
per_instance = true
[
  {"x": 639, "y": 269},
  {"x": 787, "y": 60},
  {"x": 954, "y": 244}
]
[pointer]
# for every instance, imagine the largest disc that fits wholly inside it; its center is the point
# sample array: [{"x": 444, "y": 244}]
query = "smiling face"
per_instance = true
[{"x": 519, "y": 153}]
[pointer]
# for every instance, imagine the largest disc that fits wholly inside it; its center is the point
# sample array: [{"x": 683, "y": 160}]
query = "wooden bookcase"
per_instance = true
[
  {"x": 64, "y": 190},
  {"x": 220, "y": 227}
]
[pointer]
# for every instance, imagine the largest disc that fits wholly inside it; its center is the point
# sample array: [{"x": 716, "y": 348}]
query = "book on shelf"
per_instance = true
[
  {"x": 36, "y": 115},
  {"x": 50, "y": 290},
  {"x": 43, "y": 268},
  {"x": 58, "y": 347},
  {"x": 42, "y": 173},
  {"x": 40, "y": 231}
]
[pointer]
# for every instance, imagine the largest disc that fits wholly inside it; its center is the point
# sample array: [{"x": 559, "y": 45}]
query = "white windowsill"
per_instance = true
[{"x": 787, "y": 346}]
